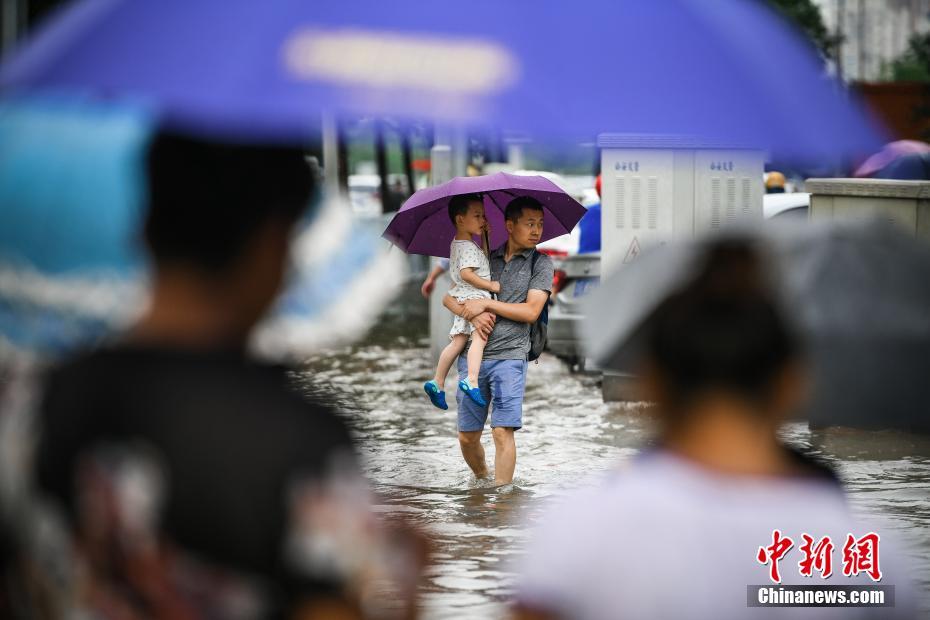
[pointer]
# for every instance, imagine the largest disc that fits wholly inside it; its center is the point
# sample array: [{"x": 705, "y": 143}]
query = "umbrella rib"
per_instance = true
[{"x": 494, "y": 200}]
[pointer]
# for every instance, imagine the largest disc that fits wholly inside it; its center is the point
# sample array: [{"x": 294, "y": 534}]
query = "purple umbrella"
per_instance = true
[
  {"x": 422, "y": 226},
  {"x": 889, "y": 153}
]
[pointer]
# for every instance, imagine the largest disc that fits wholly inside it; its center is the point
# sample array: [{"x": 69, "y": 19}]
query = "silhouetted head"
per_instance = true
[
  {"x": 723, "y": 335},
  {"x": 225, "y": 212}
]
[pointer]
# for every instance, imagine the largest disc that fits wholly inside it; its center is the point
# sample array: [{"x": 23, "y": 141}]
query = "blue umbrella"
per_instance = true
[
  {"x": 71, "y": 191},
  {"x": 912, "y": 167},
  {"x": 72, "y": 273},
  {"x": 728, "y": 70}
]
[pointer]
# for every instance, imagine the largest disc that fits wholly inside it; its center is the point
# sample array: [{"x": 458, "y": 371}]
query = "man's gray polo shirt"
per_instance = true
[{"x": 510, "y": 340}]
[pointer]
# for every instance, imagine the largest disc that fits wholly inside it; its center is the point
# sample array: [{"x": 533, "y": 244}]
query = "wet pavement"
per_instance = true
[{"x": 411, "y": 455}]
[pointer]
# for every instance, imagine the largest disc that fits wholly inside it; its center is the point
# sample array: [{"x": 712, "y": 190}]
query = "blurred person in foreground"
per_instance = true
[
  {"x": 687, "y": 525},
  {"x": 175, "y": 477}
]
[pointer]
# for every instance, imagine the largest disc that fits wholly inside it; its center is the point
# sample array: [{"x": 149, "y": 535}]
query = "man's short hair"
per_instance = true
[
  {"x": 516, "y": 206},
  {"x": 206, "y": 199},
  {"x": 459, "y": 204}
]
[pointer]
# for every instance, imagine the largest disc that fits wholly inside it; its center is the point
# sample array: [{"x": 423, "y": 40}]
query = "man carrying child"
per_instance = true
[{"x": 525, "y": 279}]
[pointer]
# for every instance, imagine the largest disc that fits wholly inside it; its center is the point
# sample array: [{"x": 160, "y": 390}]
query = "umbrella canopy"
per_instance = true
[
  {"x": 857, "y": 291},
  {"x": 889, "y": 153},
  {"x": 262, "y": 70},
  {"x": 913, "y": 167},
  {"x": 422, "y": 226}
]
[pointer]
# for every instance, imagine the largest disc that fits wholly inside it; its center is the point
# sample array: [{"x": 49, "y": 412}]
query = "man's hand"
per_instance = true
[
  {"x": 473, "y": 307},
  {"x": 484, "y": 323}
]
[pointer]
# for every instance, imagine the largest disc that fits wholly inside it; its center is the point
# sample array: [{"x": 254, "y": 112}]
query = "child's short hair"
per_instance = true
[
  {"x": 459, "y": 204},
  {"x": 516, "y": 206}
]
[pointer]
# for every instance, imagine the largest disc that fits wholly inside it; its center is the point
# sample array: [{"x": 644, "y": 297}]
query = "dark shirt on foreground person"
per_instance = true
[{"x": 181, "y": 470}]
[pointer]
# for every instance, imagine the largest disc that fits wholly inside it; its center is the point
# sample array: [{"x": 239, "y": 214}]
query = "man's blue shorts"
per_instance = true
[{"x": 502, "y": 383}]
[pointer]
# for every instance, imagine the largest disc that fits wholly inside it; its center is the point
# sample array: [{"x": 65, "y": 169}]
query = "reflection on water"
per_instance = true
[{"x": 411, "y": 455}]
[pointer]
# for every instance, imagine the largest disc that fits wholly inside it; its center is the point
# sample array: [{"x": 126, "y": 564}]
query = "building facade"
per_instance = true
[{"x": 874, "y": 33}]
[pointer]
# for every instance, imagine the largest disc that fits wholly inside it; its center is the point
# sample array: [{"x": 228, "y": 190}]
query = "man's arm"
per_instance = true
[
  {"x": 526, "y": 312},
  {"x": 483, "y": 321}
]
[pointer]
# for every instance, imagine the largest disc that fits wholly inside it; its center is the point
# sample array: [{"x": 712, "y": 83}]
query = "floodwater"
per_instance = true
[{"x": 411, "y": 456}]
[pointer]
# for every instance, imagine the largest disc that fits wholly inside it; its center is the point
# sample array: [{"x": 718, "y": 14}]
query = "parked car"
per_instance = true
[
  {"x": 575, "y": 276},
  {"x": 794, "y": 205}
]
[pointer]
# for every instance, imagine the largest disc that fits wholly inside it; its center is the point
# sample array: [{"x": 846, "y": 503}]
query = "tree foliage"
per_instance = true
[
  {"x": 914, "y": 64},
  {"x": 806, "y": 16}
]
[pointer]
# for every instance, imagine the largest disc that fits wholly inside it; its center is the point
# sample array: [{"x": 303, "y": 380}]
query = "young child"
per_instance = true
[{"x": 471, "y": 279}]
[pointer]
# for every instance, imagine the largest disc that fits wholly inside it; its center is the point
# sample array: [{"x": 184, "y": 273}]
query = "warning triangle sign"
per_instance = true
[{"x": 633, "y": 252}]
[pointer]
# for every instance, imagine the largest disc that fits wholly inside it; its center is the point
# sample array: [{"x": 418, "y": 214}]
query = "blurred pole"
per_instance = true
[
  {"x": 381, "y": 162},
  {"x": 442, "y": 169},
  {"x": 500, "y": 149},
  {"x": 515, "y": 155},
  {"x": 10, "y": 23},
  {"x": 331, "y": 163},
  {"x": 342, "y": 156},
  {"x": 407, "y": 153},
  {"x": 440, "y": 164},
  {"x": 515, "y": 143},
  {"x": 460, "y": 154}
]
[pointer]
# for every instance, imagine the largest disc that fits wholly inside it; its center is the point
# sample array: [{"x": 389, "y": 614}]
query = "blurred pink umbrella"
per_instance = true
[{"x": 889, "y": 153}]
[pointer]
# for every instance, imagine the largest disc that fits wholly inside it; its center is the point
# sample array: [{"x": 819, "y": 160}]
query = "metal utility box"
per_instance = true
[
  {"x": 904, "y": 203},
  {"x": 656, "y": 187},
  {"x": 659, "y": 187}
]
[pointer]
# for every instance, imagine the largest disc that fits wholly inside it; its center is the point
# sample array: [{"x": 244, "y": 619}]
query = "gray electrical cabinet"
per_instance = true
[
  {"x": 660, "y": 187},
  {"x": 903, "y": 203}
]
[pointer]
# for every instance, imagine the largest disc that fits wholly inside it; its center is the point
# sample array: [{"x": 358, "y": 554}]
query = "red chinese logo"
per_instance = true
[
  {"x": 861, "y": 556},
  {"x": 816, "y": 557},
  {"x": 773, "y": 553}
]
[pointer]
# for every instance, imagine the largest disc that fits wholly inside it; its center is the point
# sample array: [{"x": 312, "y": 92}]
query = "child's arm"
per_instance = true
[{"x": 471, "y": 277}]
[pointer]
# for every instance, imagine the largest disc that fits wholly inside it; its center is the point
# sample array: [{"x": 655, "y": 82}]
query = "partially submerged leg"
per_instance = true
[
  {"x": 505, "y": 454},
  {"x": 473, "y": 451}
]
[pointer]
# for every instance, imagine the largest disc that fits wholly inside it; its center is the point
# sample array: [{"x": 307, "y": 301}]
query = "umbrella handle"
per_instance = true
[{"x": 487, "y": 252}]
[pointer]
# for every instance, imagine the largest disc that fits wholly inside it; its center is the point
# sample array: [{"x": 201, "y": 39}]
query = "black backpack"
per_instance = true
[{"x": 539, "y": 329}]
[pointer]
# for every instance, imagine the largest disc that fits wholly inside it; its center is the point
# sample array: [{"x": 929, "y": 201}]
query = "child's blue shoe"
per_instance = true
[
  {"x": 472, "y": 392},
  {"x": 436, "y": 396}
]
